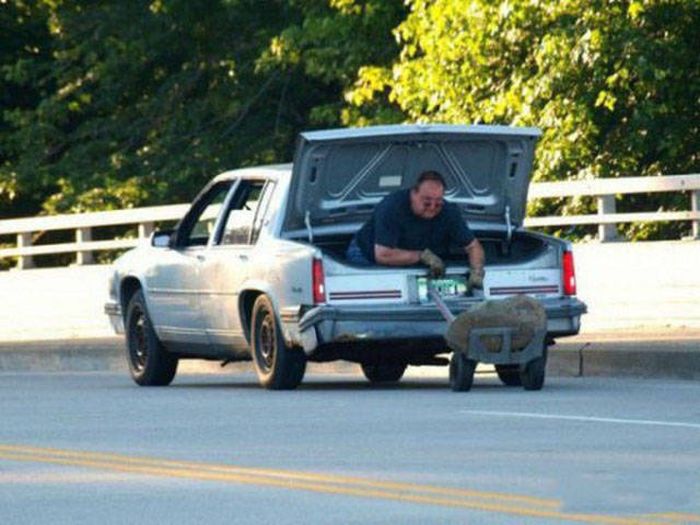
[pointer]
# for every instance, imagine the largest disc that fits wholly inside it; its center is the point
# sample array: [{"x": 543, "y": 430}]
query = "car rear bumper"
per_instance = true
[{"x": 326, "y": 325}]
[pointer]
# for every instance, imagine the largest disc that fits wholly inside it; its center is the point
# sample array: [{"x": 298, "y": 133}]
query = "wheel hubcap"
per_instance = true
[
  {"x": 267, "y": 342},
  {"x": 139, "y": 346}
]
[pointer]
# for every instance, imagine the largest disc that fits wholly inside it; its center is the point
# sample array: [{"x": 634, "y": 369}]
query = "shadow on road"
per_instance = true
[{"x": 485, "y": 383}]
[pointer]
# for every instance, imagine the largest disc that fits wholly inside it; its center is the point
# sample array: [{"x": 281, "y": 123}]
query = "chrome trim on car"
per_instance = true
[
  {"x": 530, "y": 290},
  {"x": 368, "y": 294},
  {"x": 113, "y": 309},
  {"x": 386, "y": 321}
]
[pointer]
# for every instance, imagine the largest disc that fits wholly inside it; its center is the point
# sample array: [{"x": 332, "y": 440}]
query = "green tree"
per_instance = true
[
  {"x": 145, "y": 100},
  {"x": 107, "y": 104},
  {"x": 330, "y": 43},
  {"x": 25, "y": 60},
  {"x": 133, "y": 103},
  {"x": 614, "y": 85}
]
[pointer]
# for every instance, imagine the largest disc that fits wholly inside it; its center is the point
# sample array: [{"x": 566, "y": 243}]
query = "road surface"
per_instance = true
[{"x": 94, "y": 448}]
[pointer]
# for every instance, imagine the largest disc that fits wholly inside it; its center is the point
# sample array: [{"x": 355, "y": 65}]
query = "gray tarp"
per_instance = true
[{"x": 523, "y": 314}]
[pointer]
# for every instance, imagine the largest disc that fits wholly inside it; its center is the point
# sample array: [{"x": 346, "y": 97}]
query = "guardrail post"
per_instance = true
[
  {"x": 24, "y": 240},
  {"x": 606, "y": 206},
  {"x": 82, "y": 236},
  {"x": 695, "y": 206},
  {"x": 145, "y": 230}
]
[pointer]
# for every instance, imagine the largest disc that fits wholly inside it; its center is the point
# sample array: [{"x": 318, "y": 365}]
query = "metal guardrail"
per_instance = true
[
  {"x": 604, "y": 190},
  {"x": 83, "y": 223}
]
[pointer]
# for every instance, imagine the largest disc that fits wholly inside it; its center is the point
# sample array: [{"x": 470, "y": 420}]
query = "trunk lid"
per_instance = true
[{"x": 340, "y": 175}]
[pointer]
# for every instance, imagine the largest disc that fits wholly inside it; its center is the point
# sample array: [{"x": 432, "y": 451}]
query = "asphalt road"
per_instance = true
[{"x": 94, "y": 448}]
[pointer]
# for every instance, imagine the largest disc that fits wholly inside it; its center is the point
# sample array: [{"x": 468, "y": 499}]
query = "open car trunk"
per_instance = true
[
  {"x": 521, "y": 248},
  {"x": 339, "y": 176}
]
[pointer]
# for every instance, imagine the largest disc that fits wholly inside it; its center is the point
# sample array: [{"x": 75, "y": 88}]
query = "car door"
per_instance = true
[
  {"x": 175, "y": 285},
  {"x": 227, "y": 263}
]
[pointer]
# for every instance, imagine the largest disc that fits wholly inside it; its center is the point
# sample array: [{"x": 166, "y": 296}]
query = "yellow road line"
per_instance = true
[
  {"x": 293, "y": 475},
  {"x": 673, "y": 517},
  {"x": 314, "y": 487},
  {"x": 315, "y": 483}
]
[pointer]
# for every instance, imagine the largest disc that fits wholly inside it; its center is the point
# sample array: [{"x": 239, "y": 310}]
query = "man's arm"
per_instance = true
[
  {"x": 399, "y": 257},
  {"x": 395, "y": 256},
  {"x": 475, "y": 252}
]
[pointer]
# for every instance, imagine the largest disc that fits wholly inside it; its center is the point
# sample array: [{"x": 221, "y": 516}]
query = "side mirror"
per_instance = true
[{"x": 161, "y": 239}]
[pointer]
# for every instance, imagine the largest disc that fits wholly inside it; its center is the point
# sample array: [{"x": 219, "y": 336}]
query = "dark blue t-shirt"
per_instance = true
[{"x": 394, "y": 225}]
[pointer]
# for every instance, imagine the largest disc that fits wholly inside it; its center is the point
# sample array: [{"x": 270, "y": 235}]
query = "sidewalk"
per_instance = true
[
  {"x": 649, "y": 353},
  {"x": 672, "y": 353}
]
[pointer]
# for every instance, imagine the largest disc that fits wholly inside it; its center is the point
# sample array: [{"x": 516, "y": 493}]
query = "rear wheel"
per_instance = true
[
  {"x": 383, "y": 372},
  {"x": 461, "y": 372},
  {"x": 150, "y": 364},
  {"x": 279, "y": 367},
  {"x": 509, "y": 375},
  {"x": 533, "y": 373}
]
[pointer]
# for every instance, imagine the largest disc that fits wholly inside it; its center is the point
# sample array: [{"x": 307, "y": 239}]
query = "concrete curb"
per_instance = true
[
  {"x": 667, "y": 355},
  {"x": 65, "y": 355},
  {"x": 671, "y": 357}
]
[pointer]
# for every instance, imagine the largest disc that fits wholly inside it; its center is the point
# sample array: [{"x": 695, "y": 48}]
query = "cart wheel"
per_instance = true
[
  {"x": 461, "y": 372},
  {"x": 532, "y": 374}
]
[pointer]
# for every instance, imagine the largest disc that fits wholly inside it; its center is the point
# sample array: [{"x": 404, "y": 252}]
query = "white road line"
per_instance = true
[{"x": 648, "y": 422}]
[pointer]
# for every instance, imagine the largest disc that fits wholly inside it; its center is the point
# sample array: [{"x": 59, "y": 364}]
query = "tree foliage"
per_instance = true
[
  {"x": 615, "y": 85},
  {"x": 332, "y": 42},
  {"x": 25, "y": 60},
  {"x": 109, "y": 103}
]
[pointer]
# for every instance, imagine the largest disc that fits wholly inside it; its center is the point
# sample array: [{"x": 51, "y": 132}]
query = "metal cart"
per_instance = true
[{"x": 525, "y": 367}]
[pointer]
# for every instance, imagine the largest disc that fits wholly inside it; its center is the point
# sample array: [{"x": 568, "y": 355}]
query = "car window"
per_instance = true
[
  {"x": 238, "y": 226},
  {"x": 261, "y": 212},
  {"x": 241, "y": 225},
  {"x": 200, "y": 225}
]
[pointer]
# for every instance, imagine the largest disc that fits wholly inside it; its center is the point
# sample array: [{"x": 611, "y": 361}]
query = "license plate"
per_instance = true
[{"x": 446, "y": 287}]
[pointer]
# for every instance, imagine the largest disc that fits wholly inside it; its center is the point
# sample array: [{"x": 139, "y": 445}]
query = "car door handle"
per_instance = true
[
  {"x": 201, "y": 258},
  {"x": 243, "y": 257}
]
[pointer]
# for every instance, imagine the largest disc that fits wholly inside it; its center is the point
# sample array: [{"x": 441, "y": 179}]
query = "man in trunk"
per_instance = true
[{"x": 417, "y": 225}]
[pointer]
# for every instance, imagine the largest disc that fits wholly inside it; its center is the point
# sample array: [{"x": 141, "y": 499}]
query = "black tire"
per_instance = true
[
  {"x": 150, "y": 364},
  {"x": 279, "y": 367},
  {"x": 383, "y": 372},
  {"x": 461, "y": 372},
  {"x": 533, "y": 373},
  {"x": 509, "y": 375}
]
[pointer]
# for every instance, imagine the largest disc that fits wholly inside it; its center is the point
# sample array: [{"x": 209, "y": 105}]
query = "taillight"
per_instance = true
[
  {"x": 568, "y": 273},
  {"x": 318, "y": 281}
]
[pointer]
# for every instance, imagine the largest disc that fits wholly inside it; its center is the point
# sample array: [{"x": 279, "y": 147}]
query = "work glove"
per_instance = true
[
  {"x": 432, "y": 261},
  {"x": 476, "y": 279}
]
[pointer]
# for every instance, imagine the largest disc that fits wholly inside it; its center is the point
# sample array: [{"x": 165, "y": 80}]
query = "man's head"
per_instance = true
[{"x": 427, "y": 195}]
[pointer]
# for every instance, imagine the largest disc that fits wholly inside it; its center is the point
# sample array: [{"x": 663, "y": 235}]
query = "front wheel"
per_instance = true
[
  {"x": 383, "y": 372},
  {"x": 150, "y": 363},
  {"x": 279, "y": 367}
]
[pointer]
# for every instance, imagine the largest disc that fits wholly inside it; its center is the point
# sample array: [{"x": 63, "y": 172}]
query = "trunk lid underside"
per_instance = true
[{"x": 340, "y": 175}]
